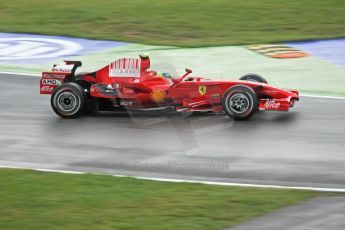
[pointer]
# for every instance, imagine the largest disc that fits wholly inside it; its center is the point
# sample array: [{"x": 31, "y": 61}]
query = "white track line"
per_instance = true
[
  {"x": 324, "y": 97},
  {"x": 320, "y": 189},
  {"x": 303, "y": 95},
  {"x": 22, "y": 74}
]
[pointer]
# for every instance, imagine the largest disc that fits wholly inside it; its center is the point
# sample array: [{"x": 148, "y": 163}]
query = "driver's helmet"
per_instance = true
[{"x": 164, "y": 75}]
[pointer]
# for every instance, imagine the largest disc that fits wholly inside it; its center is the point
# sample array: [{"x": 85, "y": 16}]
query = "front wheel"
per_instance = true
[
  {"x": 240, "y": 102},
  {"x": 68, "y": 100},
  {"x": 254, "y": 78}
]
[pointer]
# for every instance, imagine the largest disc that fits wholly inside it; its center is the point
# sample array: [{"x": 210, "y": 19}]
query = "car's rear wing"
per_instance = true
[
  {"x": 59, "y": 74},
  {"x": 67, "y": 67}
]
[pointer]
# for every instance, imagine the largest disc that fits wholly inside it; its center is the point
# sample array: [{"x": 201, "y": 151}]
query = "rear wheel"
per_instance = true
[
  {"x": 240, "y": 102},
  {"x": 253, "y": 77},
  {"x": 68, "y": 100}
]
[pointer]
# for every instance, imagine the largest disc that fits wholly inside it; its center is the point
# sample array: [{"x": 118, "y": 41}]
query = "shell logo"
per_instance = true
[
  {"x": 158, "y": 95},
  {"x": 278, "y": 51}
]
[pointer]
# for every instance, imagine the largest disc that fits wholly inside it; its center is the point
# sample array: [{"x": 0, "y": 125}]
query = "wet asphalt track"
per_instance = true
[{"x": 305, "y": 147}]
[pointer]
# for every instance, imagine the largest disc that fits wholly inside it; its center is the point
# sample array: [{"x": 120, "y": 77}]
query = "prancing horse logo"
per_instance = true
[{"x": 202, "y": 89}]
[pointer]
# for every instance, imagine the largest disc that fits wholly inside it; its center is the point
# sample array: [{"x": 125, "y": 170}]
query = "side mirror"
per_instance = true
[{"x": 189, "y": 71}]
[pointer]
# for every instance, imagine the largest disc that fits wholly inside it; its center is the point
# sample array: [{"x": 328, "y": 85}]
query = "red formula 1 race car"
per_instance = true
[{"x": 128, "y": 84}]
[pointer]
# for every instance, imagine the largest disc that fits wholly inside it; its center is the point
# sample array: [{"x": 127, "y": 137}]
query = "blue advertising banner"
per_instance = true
[
  {"x": 332, "y": 50},
  {"x": 28, "y": 49}
]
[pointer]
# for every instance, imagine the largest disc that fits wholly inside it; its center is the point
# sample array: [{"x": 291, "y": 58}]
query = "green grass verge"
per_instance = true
[
  {"x": 38, "y": 200},
  {"x": 189, "y": 23}
]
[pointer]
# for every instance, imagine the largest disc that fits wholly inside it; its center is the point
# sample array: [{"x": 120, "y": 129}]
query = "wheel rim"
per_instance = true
[
  {"x": 239, "y": 103},
  {"x": 67, "y": 102}
]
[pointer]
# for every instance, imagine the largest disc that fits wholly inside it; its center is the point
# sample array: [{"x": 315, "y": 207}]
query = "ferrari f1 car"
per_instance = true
[{"x": 128, "y": 84}]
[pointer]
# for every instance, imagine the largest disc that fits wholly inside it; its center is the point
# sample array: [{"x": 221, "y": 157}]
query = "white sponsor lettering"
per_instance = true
[
  {"x": 47, "y": 89},
  {"x": 272, "y": 104},
  {"x": 51, "y": 82},
  {"x": 53, "y": 76},
  {"x": 126, "y": 103},
  {"x": 125, "y": 67},
  {"x": 271, "y": 91},
  {"x": 63, "y": 68}
]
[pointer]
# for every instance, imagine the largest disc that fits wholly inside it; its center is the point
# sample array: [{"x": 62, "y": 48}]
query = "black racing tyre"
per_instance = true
[
  {"x": 68, "y": 100},
  {"x": 240, "y": 102},
  {"x": 253, "y": 77}
]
